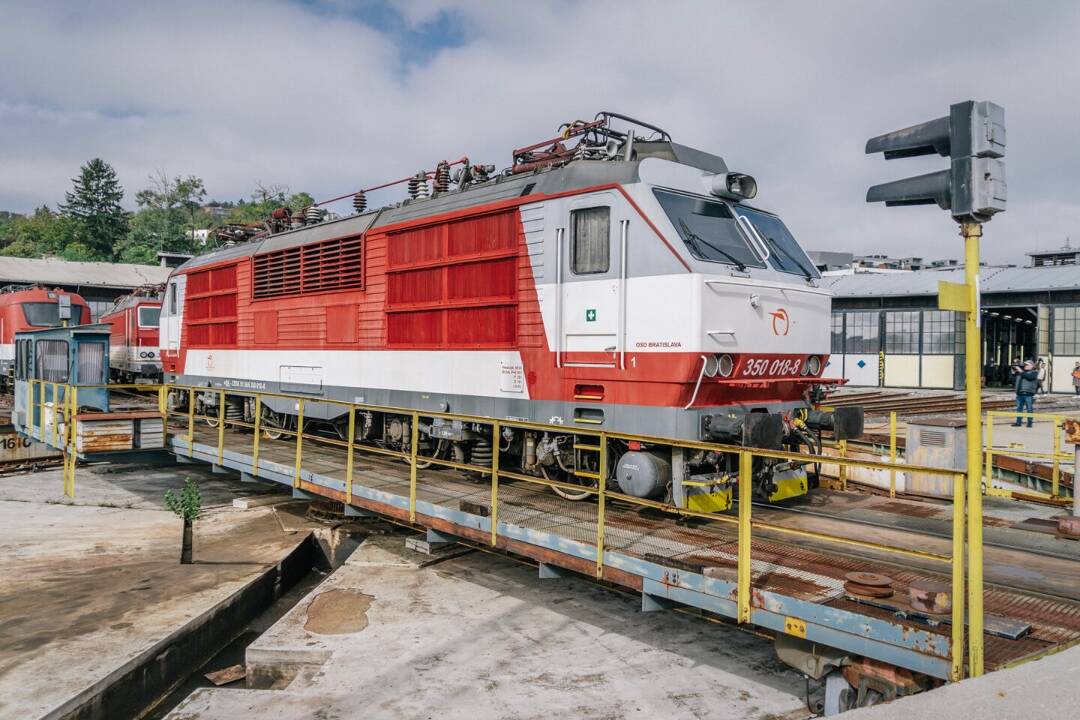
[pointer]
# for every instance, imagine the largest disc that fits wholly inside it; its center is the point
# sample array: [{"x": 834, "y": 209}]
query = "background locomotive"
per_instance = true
[
  {"x": 609, "y": 279},
  {"x": 133, "y": 342},
  {"x": 32, "y": 307}
]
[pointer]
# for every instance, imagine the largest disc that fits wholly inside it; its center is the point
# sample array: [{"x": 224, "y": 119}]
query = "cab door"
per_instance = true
[{"x": 591, "y": 283}]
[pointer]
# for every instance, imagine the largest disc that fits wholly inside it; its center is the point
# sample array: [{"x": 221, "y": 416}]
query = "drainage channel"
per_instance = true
[
  {"x": 150, "y": 686},
  {"x": 232, "y": 654}
]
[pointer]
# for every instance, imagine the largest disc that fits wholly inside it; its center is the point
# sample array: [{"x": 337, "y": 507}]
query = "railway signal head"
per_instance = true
[{"x": 972, "y": 136}]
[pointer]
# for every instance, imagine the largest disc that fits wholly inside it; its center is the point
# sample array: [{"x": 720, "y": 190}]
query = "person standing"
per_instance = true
[
  {"x": 1041, "y": 370},
  {"x": 1027, "y": 383},
  {"x": 1076, "y": 378}
]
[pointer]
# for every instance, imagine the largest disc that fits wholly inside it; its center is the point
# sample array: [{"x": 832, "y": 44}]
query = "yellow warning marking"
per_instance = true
[{"x": 795, "y": 626}]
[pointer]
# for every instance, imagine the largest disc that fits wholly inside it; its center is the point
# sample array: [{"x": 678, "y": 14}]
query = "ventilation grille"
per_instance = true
[
  {"x": 932, "y": 438},
  {"x": 319, "y": 267}
]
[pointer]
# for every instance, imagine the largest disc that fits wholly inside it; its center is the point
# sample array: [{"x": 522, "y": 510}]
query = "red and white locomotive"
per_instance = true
[
  {"x": 610, "y": 279},
  {"x": 133, "y": 341},
  {"x": 29, "y": 307}
]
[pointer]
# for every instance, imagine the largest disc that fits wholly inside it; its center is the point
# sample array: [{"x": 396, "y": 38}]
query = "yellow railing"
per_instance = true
[
  {"x": 586, "y": 439},
  {"x": 1055, "y": 455},
  {"x": 62, "y": 416}
]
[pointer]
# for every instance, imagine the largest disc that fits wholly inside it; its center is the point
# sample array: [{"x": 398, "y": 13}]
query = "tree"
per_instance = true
[
  {"x": 186, "y": 506},
  {"x": 94, "y": 202},
  {"x": 169, "y": 212},
  {"x": 38, "y": 235}
]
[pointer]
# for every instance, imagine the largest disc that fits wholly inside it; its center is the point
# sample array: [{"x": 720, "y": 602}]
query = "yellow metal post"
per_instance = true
[
  {"x": 743, "y": 586},
  {"x": 299, "y": 441},
  {"x": 973, "y": 384},
  {"x": 349, "y": 456},
  {"x": 414, "y": 440},
  {"x": 258, "y": 434},
  {"x": 73, "y": 444},
  {"x": 956, "y": 650},
  {"x": 1056, "y": 472},
  {"x": 190, "y": 422},
  {"x": 56, "y": 416},
  {"x": 221, "y": 427},
  {"x": 892, "y": 453},
  {"x": 601, "y": 486},
  {"x": 493, "y": 514},
  {"x": 69, "y": 449}
]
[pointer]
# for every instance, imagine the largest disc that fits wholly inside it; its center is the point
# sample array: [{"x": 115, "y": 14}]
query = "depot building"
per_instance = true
[{"x": 888, "y": 332}]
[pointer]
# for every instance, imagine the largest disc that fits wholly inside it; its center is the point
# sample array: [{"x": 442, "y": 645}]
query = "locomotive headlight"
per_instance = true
[
  {"x": 813, "y": 365},
  {"x": 711, "y": 366},
  {"x": 725, "y": 365},
  {"x": 737, "y": 186}
]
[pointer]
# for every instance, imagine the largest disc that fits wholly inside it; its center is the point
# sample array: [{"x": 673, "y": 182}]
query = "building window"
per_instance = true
[
  {"x": 1066, "y": 331},
  {"x": 902, "y": 333},
  {"x": 862, "y": 333},
  {"x": 837, "y": 333},
  {"x": 942, "y": 332},
  {"x": 590, "y": 240}
]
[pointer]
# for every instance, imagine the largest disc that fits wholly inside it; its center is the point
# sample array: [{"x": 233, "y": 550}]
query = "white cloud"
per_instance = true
[{"x": 316, "y": 99}]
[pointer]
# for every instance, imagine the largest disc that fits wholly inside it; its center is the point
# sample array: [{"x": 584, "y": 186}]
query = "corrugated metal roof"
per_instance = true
[
  {"x": 925, "y": 282},
  {"x": 56, "y": 272}
]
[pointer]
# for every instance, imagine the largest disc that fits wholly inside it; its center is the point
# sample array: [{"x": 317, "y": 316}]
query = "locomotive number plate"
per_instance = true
[{"x": 771, "y": 367}]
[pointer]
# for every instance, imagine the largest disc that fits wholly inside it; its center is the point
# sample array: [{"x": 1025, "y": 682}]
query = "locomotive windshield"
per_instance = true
[
  {"x": 785, "y": 254},
  {"x": 149, "y": 317},
  {"x": 708, "y": 229},
  {"x": 47, "y": 314}
]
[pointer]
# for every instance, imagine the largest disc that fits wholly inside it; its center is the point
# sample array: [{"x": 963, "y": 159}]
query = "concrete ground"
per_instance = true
[
  {"x": 1046, "y": 688},
  {"x": 91, "y": 584},
  {"x": 481, "y": 636}
]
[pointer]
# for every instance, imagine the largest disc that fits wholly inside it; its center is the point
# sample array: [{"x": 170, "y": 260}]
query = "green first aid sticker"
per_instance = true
[{"x": 590, "y": 315}]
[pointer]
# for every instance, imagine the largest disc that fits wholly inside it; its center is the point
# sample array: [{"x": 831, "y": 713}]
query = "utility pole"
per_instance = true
[{"x": 973, "y": 189}]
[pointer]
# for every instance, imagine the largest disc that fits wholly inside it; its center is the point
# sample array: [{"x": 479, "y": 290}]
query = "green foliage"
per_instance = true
[
  {"x": 94, "y": 202},
  {"x": 43, "y": 233},
  {"x": 91, "y": 225},
  {"x": 169, "y": 212},
  {"x": 188, "y": 504}
]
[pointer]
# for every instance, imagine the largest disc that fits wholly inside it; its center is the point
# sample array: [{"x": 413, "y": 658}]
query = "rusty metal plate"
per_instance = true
[
  {"x": 867, "y": 591},
  {"x": 929, "y": 596},
  {"x": 1072, "y": 431},
  {"x": 869, "y": 578}
]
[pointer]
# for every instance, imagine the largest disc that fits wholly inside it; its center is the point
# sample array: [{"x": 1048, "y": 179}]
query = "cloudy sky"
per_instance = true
[{"x": 330, "y": 95}]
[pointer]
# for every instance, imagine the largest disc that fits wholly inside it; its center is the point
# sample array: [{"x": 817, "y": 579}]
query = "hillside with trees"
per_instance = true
[{"x": 91, "y": 224}]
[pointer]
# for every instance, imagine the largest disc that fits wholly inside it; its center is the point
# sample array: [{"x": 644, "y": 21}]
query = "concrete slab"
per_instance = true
[
  {"x": 1044, "y": 688},
  {"x": 481, "y": 636},
  {"x": 90, "y": 585}
]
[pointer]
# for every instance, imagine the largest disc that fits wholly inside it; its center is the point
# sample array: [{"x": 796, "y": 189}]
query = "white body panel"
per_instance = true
[{"x": 491, "y": 373}]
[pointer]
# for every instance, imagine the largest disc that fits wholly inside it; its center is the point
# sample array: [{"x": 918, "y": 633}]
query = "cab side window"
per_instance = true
[{"x": 590, "y": 240}]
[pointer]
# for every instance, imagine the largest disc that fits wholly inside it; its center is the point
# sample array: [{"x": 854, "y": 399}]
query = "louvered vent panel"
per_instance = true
[{"x": 319, "y": 267}]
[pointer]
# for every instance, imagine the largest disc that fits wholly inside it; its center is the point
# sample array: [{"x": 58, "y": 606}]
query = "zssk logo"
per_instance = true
[{"x": 781, "y": 323}]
